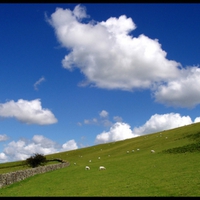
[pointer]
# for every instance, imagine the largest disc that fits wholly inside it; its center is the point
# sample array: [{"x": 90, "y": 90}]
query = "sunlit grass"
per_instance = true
[{"x": 138, "y": 173}]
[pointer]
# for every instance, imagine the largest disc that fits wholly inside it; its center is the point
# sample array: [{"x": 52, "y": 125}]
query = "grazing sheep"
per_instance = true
[
  {"x": 132, "y": 150},
  {"x": 99, "y": 158},
  {"x": 89, "y": 160},
  {"x": 102, "y": 168},
  {"x": 152, "y": 151},
  {"x": 138, "y": 149},
  {"x": 127, "y": 152},
  {"x": 87, "y": 168},
  {"x": 74, "y": 163}
]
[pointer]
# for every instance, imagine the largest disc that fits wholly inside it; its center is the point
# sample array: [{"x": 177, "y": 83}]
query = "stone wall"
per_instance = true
[{"x": 12, "y": 177}]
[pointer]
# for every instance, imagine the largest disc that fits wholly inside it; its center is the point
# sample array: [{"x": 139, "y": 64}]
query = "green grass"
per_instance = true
[{"x": 173, "y": 170}]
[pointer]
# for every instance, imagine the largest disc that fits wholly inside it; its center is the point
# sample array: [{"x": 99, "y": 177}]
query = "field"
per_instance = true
[{"x": 173, "y": 170}]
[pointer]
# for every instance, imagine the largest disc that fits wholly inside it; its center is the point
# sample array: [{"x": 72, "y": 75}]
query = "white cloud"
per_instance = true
[
  {"x": 38, "y": 83},
  {"x": 29, "y": 112},
  {"x": 99, "y": 121},
  {"x": 184, "y": 91},
  {"x": 197, "y": 119},
  {"x": 3, "y": 137},
  {"x": 103, "y": 113},
  {"x": 91, "y": 121},
  {"x": 162, "y": 122},
  {"x": 119, "y": 131},
  {"x": 111, "y": 58},
  {"x": 3, "y": 157},
  {"x": 80, "y": 12},
  {"x": 22, "y": 149},
  {"x": 69, "y": 145},
  {"x": 115, "y": 60}
]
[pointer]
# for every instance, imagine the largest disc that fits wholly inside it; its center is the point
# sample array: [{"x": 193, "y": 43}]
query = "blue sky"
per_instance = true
[{"x": 77, "y": 75}]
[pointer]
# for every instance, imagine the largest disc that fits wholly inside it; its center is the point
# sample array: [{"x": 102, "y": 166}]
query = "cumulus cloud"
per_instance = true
[
  {"x": 197, "y": 119},
  {"x": 182, "y": 92},
  {"x": 22, "y": 149},
  {"x": 121, "y": 131},
  {"x": 162, "y": 122},
  {"x": 108, "y": 56},
  {"x": 29, "y": 112},
  {"x": 69, "y": 145},
  {"x": 111, "y": 58},
  {"x": 3, "y": 137},
  {"x": 3, "y": 157},
  {"x": 38, "y": 83}
]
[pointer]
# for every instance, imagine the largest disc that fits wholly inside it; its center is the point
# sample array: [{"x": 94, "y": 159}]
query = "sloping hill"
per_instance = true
[{"x": 173, "y": 170}]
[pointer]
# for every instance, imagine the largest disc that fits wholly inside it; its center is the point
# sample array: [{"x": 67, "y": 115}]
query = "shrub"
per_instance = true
[{"x": 36, "y": 160}]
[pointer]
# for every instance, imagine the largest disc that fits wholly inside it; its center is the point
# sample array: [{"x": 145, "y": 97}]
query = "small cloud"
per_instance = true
[
  {"x": 103, "y": 113},
  {"x": 70, "y": 145},
  {"x": 117, "y": 119},
  {"x": 29, "y": 112},
  {"x": 38, "y": 82},
  {"x": 3, "y": 137},
  {"x": 91, "y": 121},
  {"x": 197, "y": 119},
  {"x": 79, "y": 123},
  {"x": 119, "y": 131}
]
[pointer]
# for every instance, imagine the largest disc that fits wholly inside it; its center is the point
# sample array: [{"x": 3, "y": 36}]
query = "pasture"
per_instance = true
[{"x": 172, "y": 170}]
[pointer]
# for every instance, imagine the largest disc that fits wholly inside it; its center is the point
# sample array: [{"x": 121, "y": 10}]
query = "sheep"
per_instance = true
[
  {"x": 138, "y": 149},
  {"x": 87, "y": 168},
  {"x": 152, "y": 151},
  {"x": 102, "y": 168},
  {"x": 132, "y": 150},
  {"x": 89, "y": 160},
  {"x": 127, "y": 152},
  {"x": 99, "y": 158},
  {"x": 74, "y": 163}
]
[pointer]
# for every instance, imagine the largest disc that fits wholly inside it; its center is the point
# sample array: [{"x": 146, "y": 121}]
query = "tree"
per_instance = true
[{"x": 36, "y": 160}]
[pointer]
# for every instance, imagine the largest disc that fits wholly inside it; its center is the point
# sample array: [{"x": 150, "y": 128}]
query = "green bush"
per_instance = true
[{"x": 36, "y": 160}]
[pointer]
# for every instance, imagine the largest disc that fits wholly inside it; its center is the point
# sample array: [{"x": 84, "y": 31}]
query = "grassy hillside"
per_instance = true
[{"x": 173, "y": 170}]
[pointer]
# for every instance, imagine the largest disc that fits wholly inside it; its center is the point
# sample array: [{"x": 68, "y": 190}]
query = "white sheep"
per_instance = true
[
  {"x": 127, "y": 152},
  {"x": 74, "y": 163},
  {"x": 99, "y": 158},
  {"x": 102, "y": 168},
  {"x": 87, "y": 168},
  {"x": 138, "y": 149},
  {"x": 132, "y": 150},
  {"x": 152, "y": 151},
  {"x": 89, "y": 160}
]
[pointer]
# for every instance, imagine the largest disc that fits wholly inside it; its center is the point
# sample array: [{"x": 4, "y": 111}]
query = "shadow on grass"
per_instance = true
[{"x": 194, "y": 147}]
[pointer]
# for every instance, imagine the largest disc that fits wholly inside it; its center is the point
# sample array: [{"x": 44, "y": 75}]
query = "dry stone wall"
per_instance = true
[{"x": 12, "y": 177}]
